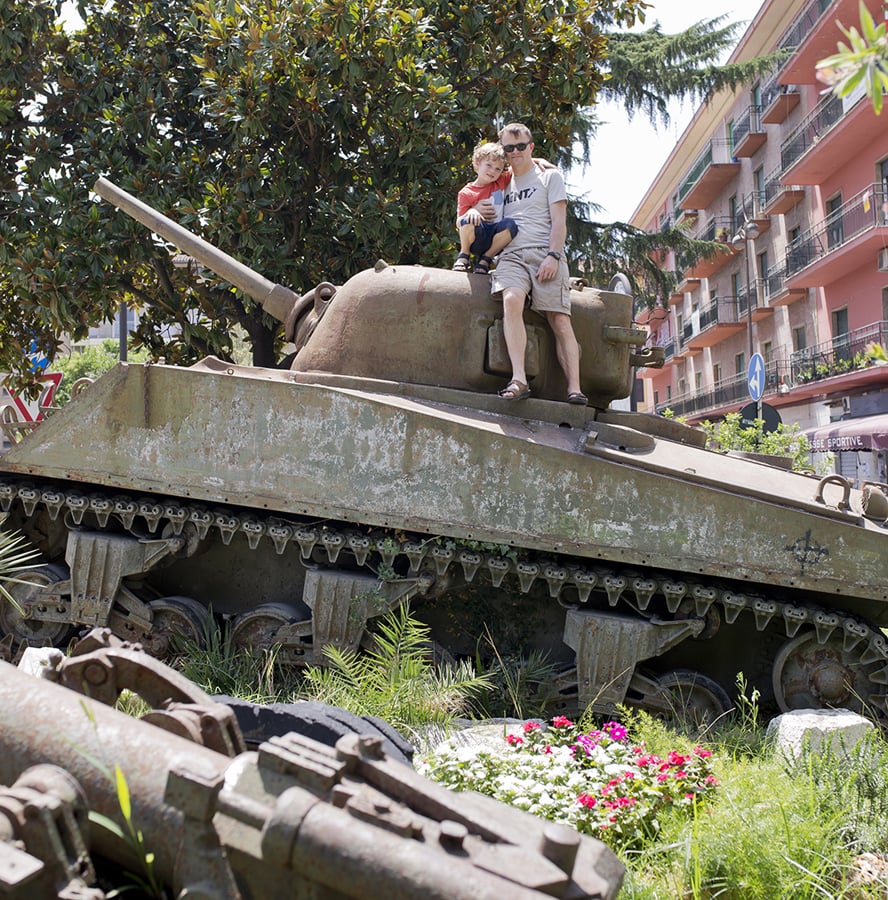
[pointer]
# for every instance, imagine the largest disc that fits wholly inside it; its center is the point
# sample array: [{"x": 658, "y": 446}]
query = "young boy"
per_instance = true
[{"x": 483, "y": 239}]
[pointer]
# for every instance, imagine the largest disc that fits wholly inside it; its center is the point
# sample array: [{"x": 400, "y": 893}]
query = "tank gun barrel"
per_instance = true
[
  {"x": 296, "y": 818},
  {"x": 275, "y": 299}
]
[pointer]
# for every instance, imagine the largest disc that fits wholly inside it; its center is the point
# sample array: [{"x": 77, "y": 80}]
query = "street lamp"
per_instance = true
[{"x": 745, "y": 236}]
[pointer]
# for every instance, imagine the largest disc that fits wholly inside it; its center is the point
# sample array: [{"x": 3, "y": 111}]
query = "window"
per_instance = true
[
  {"x": 698, "y": 381},
  {"x": 740, "y": 364},
  {"x": 798, "y": 339},
  {"x": 835, "y": 225},
  {"x": 682, "y": 387},
  {"x": 717, "y": 373},
  {"x": 758, "y": 184},
  {"x": 885, "y": 303},
  {"x": 732, "y": 212},
  {"x": 756, "y": 95},
  {"x": 730, "y": 132},
  {"x": 656, "y": 398},
  {"x": 767, "y": 349},
  {"x": 761, "y": 264},
  {"x": 841, "y": 346},
  {"x": 668, "y": 392}
]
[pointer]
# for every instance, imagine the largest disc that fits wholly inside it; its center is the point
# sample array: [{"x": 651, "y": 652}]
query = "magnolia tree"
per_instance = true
[{"x": 306, "y": 139}]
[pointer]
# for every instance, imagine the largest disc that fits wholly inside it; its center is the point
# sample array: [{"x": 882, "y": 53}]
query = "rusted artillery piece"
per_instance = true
[
  {"x": 294, "y": 819},
  {"x": 382, "y": 469}
]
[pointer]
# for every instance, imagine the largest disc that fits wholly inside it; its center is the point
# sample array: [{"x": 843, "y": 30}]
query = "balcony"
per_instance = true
[
  {"x": 729, "y": 392},
  {"x": 748, "y": 132},
  {"x": 849, "y": 239},
  {"x": 712, "y": 170},
  {"x": 842, "y": 128},
  {"x": 779, "y": 197},
  {"x": 844, "y": 355},
  {"x": 815, "y": 36},
  {"x": 827, "y": 369},
  {"x": 778, "y": 101},
  {"x": 712, "y": 324},
  {"x": 811, "y": 130},
  {"x": 776, "y": 289},
  {"x": 755, "y": 298}
]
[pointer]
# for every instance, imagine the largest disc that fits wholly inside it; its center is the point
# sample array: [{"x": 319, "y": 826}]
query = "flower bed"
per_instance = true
[{"x": 597, "y": 781}]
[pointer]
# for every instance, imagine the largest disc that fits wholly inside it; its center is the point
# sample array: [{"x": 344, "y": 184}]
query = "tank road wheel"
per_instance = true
[
  {"x": 808, "y": 675},
  {"x": 175, "y": 619},
  {"x": 256, "y": 628},
  {"x": 33, "y": 632},
  {"x": 692, "y": 698}
]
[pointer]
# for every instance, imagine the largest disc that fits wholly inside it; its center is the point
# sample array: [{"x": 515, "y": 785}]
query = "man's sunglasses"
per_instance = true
[{"x": 511, "y": 148}]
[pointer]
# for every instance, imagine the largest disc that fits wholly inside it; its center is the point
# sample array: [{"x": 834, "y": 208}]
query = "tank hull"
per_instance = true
[{"x": 556, "y": 480}]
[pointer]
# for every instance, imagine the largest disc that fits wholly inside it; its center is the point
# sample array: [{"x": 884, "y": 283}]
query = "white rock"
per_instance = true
[
  {"x": 818, "y": 730},
  {"x": 40, "y": 661}
]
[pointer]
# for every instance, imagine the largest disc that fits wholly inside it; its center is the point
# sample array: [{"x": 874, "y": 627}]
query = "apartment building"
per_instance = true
[{"x": 793, "y": 183}]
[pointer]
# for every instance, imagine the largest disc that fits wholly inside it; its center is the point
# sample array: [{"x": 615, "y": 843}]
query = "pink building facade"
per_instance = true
[{"x": 799, "y": 180}]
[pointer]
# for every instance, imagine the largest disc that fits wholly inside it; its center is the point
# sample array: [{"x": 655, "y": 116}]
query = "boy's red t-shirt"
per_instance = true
[{"x": 472, "y": 193}]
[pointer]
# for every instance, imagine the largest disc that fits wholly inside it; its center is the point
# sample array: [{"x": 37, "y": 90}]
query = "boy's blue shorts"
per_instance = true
[{"x": 486, "y": 230}]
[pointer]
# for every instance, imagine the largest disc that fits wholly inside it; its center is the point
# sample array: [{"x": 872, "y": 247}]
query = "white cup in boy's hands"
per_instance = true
[{"x": 487, "y": 210}]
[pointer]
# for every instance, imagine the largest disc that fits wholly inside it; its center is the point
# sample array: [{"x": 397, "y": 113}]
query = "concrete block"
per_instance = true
[{"x": 818, "y": 730}]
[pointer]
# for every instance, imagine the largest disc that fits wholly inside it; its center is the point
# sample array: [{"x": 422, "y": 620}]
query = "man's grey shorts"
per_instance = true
[{"x": 518, "y": 268}]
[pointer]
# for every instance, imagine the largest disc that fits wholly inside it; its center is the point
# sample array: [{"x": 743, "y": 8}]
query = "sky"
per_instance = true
[{"x": 627, "y": 156}]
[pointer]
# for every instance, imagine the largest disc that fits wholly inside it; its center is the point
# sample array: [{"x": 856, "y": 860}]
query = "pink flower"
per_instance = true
[
  {"x": 562, "y": 722},
  {"x": 514, "y": 740},
  {"x": 586, "y": 800},
  {"x": 531, "y": 726},
  {"x": 702, "y": 752}
]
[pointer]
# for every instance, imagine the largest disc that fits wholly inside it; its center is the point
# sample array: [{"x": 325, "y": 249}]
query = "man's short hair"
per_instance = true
[
  {"x": 489, "y": 150},
  {"x": 517, "y": 130}
]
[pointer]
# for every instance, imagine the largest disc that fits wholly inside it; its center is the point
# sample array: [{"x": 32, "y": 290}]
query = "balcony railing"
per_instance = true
[
  {"x": 864, "y": 211},
  {"x": 749, "y": 121},
  {"x": 842, "y": 354},
  {"x": 717, "y": 151},
  {"x": 755, "y": 296},
  {"x": 718, "y": 228},
  {"x": 780, "y": 197},
  {"x": 803, "y": 25},
  {"x": 814, "y": 126}
]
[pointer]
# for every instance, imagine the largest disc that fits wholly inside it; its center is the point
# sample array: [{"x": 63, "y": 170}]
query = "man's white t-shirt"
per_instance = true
[{"x": 527, "y": 201}]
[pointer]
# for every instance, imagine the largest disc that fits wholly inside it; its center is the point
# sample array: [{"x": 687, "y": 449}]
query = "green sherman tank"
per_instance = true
[{"x": 382, "y": 469}]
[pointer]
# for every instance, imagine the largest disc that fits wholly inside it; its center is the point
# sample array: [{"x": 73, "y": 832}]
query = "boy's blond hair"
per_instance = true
[{"x": 488, "y": 149}]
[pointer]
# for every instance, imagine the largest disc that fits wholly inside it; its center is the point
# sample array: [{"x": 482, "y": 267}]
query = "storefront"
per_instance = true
[{"x": 860, "y": 447}]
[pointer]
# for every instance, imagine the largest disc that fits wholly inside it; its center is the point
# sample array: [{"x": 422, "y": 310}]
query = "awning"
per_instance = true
[{"x": 865, "y": 433}]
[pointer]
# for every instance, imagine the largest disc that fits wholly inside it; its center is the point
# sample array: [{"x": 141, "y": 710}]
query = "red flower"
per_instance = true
[
  {"x": 562, "y": 722},
  {"x": 514, "y": 740},
  {"x": 531, "y": 726}
]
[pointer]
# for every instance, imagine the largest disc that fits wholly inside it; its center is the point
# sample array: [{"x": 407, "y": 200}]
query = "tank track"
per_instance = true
[{"x": 568, "y": 580}]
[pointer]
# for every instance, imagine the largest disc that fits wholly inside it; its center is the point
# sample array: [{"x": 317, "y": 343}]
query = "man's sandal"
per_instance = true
[
  {"x": 578, "y": 398},
  {"x": 463, "y": 263},
  {"x": 515, "y": 390},
  {"x": 482, "y": 267}
]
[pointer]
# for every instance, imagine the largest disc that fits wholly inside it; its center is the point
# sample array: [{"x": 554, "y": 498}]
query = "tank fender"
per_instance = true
[
  {"x": 609, "y": 646},
  {"x": 343, "y": 602},
  {"x": 99, "y": 562}
]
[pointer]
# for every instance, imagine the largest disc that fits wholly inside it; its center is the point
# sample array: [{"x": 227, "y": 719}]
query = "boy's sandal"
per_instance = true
[
  {"x": 462, "y": 263},
  {"x": 578, "y": 398},
  {"x": 515, "y": 390},
  {"x": 482, "y": 267}
]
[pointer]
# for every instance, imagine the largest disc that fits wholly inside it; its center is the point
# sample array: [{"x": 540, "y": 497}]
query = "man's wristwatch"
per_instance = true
[{"x": 555, "y": 254}]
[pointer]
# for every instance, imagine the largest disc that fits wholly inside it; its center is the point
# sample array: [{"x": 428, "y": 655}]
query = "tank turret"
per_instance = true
[{"x": 424, "y": 326}]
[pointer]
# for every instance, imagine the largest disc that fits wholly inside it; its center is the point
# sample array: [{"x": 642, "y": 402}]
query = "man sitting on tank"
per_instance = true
[{"x": 533, "y": 264}]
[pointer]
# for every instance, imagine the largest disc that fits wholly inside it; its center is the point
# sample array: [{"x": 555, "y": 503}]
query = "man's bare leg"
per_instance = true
[
  {"x": 566, "y": 349},
  {"x": 514, "y": 331}
]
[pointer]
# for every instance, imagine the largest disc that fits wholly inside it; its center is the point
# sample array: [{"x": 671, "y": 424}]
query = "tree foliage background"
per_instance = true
[{"x": 306, "y": 138}]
